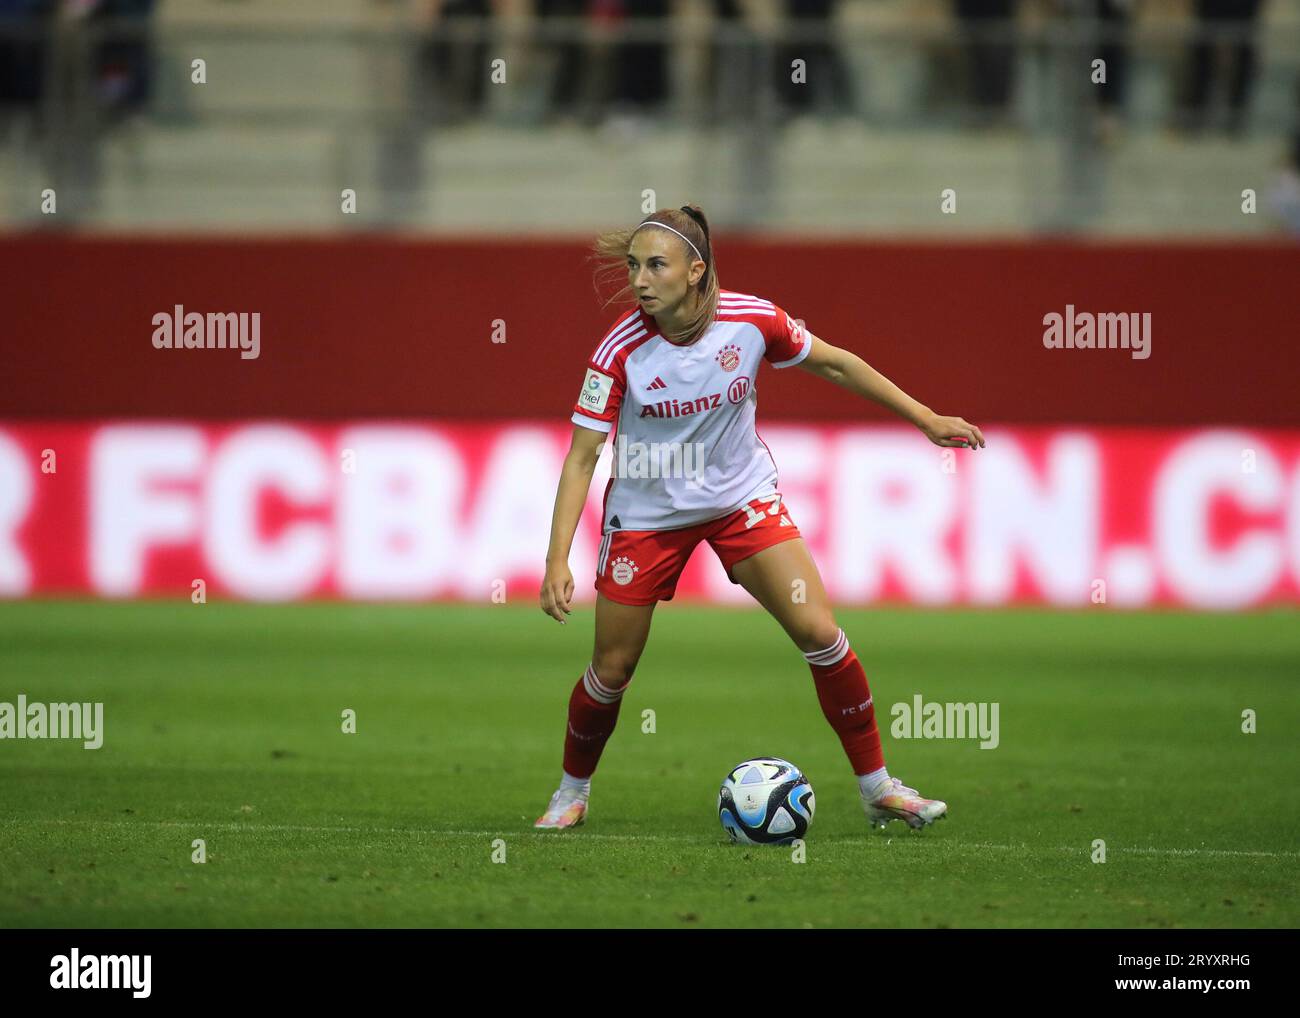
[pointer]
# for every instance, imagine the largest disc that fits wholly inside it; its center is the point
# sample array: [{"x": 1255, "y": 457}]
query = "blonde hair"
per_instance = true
[{"x": 611, "y": 251}]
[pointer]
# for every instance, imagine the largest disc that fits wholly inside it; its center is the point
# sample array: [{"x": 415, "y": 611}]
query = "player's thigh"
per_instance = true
[
  {"x": 784, "y": 579},
  {"x": 621, "y": 634}
]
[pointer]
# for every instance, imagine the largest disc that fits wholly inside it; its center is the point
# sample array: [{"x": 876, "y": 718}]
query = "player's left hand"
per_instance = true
[{"x": 952, "y": 431}]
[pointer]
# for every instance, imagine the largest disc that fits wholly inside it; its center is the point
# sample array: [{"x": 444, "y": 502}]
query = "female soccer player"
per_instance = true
[{"x": 673, "y": 382}]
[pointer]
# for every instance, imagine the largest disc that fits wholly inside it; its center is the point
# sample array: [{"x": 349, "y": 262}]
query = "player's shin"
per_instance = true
[
  {"x": 593, "y": 713},
  {"x": 846, "y": 701}
]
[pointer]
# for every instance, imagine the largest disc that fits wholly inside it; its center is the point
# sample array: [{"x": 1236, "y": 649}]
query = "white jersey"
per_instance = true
[{"x": 681, "y": 418}]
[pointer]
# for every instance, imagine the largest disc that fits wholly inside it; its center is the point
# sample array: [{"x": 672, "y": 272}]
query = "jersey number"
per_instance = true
[{"x": 754, "y": 516}]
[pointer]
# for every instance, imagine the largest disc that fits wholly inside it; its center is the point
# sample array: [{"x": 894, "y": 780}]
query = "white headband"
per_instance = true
[{"x": 678, "y": 232}]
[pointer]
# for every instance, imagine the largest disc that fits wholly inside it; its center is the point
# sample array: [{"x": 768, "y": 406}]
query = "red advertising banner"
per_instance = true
[
  {"x": 362, "y": 327},
  {"x": 1206, "y": 518}
]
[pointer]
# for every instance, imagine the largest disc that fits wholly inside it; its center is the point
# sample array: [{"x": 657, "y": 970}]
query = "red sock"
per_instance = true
[
  {"x": 846, "y": 701},
  {"x": 593, "y": 713}
]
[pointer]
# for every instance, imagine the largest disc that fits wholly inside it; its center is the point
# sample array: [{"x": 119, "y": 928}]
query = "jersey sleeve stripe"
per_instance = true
[
  {"x": 612, "y": 353},
  {"x": 594, "y": 423},
  {"x": 743, "y": 300},
  {"x": 615, "y": 336}
]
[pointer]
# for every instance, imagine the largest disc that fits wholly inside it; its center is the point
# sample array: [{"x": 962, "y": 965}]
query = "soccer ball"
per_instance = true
[{"x": 765, "y": 801}]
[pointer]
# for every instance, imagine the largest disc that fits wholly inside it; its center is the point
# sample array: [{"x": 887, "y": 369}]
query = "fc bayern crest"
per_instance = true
[
  {"x": 729, "y": 357},
  {"x": 622, "y": 570}
]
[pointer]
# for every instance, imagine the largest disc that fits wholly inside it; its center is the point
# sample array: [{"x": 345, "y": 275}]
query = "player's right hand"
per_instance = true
[
  {"x": 952, "y": 431},
  {"x": 557, "y": 591}
]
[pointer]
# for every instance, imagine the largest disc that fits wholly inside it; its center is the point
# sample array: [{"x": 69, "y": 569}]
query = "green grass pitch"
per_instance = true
[{"x": 223, "y": 722}]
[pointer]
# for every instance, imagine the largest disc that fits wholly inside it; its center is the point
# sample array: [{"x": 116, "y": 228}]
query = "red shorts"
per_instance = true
[{"x": 643, "y": 566}]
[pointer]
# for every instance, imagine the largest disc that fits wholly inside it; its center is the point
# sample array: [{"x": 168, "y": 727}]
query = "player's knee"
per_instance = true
[
  {"x": 614, "y": 670},
  {"x": 817, "y": 634}
]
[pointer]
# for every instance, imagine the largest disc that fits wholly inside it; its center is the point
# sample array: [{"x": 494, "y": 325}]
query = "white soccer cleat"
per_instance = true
[
  {"x": 567, "y": 808},
  {"x": 893, "y": 800}
]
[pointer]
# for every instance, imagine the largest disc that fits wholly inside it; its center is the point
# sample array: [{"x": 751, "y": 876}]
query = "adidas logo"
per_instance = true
[{"x": 658, "y": 383}]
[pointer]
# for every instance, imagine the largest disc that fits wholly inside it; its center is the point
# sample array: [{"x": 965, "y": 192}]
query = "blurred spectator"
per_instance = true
[
  {"x": 1104, "y": 25},
  {"x": 828, "y": 83},
  {"x": 96, "y": 66},
  {"x": 988, "y": 26},
  {"x": 568, "y": 93},
  {"x": 1230, "y": 16},
  {"x": 1114, "y": 18},
  {"x": 1284, "y": 198},
  {"x": 23, "y": 50},
  {"x": 105, "y": 58},
  {"x": 640, "y": 66},
  {"x": 734, "y": 65},
  {"x": 457, "y": 64},
  {"x": 123, "y": 59}
]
